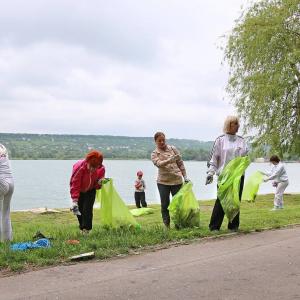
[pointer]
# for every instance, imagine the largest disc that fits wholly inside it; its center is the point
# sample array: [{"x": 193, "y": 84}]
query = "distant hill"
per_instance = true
[{"x": 54, "y": 146}]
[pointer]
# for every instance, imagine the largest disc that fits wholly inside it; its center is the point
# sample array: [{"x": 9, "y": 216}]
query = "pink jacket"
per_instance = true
[{"x": 83, "y": 180}]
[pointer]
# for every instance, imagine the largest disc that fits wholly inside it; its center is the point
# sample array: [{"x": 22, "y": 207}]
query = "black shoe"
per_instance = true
[{"x": 39, "y": 235}]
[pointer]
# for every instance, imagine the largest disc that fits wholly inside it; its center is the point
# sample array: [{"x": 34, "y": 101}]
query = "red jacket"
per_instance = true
[{"x": 83, "y": 180}]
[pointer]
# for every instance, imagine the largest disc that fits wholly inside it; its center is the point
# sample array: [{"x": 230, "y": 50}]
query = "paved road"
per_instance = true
[{"x": 262, "y": 265}]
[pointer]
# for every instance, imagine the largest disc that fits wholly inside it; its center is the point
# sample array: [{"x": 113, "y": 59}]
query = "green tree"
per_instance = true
[{"x": 263, "y": 52}]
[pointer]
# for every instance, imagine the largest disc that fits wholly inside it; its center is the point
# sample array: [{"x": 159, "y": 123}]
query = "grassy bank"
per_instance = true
[{"x": 63, "y": 226}]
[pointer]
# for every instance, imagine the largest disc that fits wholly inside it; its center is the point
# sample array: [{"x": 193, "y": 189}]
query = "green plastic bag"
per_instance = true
[
  {"x": 184, "y": 208},
  {"x": 251, "y": 186},
  {"x": 113, "y": 211},
  {"x": 136, "y": 212},
  {"x": 229, "y": 185}
]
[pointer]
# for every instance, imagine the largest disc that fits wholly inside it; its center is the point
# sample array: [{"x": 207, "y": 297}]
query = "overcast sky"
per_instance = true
[{"x": 117, "y": 67}]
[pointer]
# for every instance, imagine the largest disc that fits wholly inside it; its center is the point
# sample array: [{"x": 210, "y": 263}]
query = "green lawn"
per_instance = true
[{"x": 63, "y": 226}]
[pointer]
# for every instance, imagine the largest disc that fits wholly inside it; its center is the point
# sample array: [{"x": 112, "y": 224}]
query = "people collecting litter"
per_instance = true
[
  {"x": 6, "y": 192},
  {"x": 87, "y": 176},
  {"x": 170, "y": 172},
  {"x": 279, "y": 175},
  {"x": 139, "y": 194},
  {"x": 226, "y": 147}
]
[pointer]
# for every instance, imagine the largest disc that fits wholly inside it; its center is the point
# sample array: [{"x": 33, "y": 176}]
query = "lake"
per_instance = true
[{"x": 45, "y": 183}]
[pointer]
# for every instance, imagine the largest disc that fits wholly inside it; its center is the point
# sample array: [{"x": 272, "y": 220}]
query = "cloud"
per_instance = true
[{"x": 118, "y": 67}]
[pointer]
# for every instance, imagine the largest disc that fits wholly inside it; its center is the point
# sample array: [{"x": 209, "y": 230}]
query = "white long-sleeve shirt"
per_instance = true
[
  {"x": 225, "y": 148},
  {"x": 278, "y": 173}
]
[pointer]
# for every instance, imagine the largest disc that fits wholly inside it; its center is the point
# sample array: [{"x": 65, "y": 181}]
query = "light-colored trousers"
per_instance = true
[
  {"x": 278, "y": 199},
  {"x": 6, "y": 191}
]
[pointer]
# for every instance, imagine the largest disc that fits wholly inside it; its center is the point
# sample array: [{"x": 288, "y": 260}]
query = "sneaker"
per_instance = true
[{"x": 275, "y": 208}]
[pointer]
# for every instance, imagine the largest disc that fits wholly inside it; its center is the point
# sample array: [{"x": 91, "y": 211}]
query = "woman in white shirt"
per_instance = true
[
  {"x": 281, "y": 181},
  {"x": 226, "y": 147},
  {"x": 6, "y": 191}
]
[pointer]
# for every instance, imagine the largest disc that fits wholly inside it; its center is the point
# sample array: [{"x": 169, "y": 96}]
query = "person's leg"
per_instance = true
[
  {"x": 87, "y": 213},
  {"x": 143, "y": 199},
  {"x": 4, "y": 189},
  {"x": 234, "y": 225},
  {"x": 217, "y": 216},
  {"x": 164, "y": 192},
  {"x": 279, "y": 193},
  {"x": 175, "y": 189},
  {"x": 137, "y": 199},
  {"x": 80, "y": 207},
  {"x": 6, "y": 222}
]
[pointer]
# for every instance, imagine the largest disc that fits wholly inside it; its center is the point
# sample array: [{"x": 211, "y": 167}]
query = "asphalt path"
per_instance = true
[{"x": 264, "y": 265}]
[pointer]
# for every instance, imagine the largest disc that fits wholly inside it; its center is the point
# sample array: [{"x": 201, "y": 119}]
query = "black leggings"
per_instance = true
[
  {"x": 164, "y": 192},
  {"x": 140, "y": 199},
  {"x": 217, "y": 215},
  {"x": 85, "y": 204}
]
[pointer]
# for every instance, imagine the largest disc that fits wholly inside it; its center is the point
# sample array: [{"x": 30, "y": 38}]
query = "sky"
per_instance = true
[{"x": 117, "y": 67}]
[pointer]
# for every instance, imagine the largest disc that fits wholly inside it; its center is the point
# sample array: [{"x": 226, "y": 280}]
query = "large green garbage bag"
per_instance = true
[
  {"x": 229, "y": 185},
  {"x": 184, "y": 208},
  {"x": 141, "y": 211},
  {"x": 251, "y": 186},
  {"x": 113, "y": 211}
]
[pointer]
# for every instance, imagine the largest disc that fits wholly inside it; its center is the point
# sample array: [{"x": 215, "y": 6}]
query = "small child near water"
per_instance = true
[
  {"x": 279, "y": 175},
  {"x": 140, "y": 186}
]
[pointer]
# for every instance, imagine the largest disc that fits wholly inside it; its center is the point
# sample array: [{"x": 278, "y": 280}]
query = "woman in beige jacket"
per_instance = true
[{"x": 171, "y": 170}]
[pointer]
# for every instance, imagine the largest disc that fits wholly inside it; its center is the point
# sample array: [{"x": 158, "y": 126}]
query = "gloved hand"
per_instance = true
[
  {"x": 274, "y": 183},
  {"x": 102, "y": 181},
  {"x": 186, "y": 180},
  {"x": 75, "y": 209},
  {"x": 209, "y": 179}
]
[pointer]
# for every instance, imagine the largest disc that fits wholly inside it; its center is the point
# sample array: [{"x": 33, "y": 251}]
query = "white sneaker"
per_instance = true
[{"x": 274, "y": 208}]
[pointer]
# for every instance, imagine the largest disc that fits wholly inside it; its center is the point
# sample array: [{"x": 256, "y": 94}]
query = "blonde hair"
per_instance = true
[{"x": 228, "y": 121}]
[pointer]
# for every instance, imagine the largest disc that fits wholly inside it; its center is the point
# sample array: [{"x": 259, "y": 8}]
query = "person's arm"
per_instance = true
[
  {"x": 75, "y": 184},
  {"x": 137, "y": 184},
  {"x": 275, "y": 172},
  {"x": 215, "y": 157},
  {"x": 180, "y": 163},
  {"x": 100, "y": 175},
  {"x": 144, "y": 184},
  {"x": 161, "y": 163}
]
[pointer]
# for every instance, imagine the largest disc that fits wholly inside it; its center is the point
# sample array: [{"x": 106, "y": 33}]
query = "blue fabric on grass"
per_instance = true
[{"x": 41, "y": 243}]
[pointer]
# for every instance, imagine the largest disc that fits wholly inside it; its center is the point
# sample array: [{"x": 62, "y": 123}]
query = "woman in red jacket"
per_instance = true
[{"x": 86, "y": 178}]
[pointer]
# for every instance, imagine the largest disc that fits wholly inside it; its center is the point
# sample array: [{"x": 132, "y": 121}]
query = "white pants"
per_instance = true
[
  {"x": 278, "y": 199},
  {"x": 6, "y": 191}
]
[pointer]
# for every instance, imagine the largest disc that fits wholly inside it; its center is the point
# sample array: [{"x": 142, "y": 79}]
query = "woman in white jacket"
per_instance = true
[
  {"x": 6, "y": 191},
  {"x": 281, "y": 181},
  {"x": 226, "y": 147}
]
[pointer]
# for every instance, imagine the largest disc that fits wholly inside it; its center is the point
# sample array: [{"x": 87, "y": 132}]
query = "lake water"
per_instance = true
[{"x": 45, "y": 183}]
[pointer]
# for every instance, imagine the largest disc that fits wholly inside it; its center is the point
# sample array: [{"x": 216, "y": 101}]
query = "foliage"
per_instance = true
[
  {"x": 51, "y": 146},
  {"x": 263, "y": 52}
]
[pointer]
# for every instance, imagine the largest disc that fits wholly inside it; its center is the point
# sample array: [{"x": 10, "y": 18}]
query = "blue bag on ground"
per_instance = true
[
  {"x": 41, "y": 243},
  {"x": 229, "y": 185},
  {"x": 184, "y": 208}
]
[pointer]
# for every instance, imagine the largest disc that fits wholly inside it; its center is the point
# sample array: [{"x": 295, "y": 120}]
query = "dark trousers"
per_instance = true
[
  {"x": 164, "y": 192},
  {"x": 85, "y": 204},
  {"x": 140, "y": 199},
  {"x": 217, "y": 215}
]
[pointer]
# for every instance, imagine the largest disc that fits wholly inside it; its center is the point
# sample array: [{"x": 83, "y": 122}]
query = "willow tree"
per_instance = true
[{"x": 263, "y": 52}]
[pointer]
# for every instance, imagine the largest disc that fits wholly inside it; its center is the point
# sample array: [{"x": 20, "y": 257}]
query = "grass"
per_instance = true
[{"x": 111, "y": 243}]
